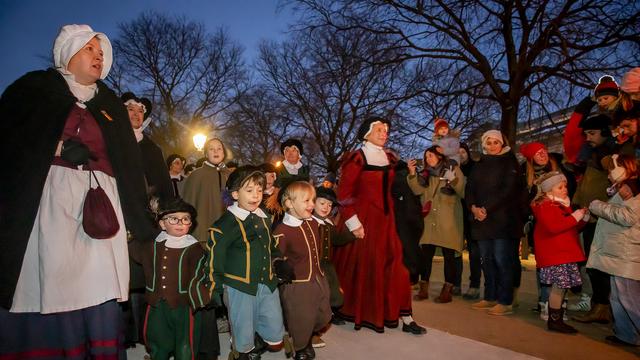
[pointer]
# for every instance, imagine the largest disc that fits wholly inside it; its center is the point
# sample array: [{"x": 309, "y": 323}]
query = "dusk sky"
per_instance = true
[{"x": 29, "y": 27}]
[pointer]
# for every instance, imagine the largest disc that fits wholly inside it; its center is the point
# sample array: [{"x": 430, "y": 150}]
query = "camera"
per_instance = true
[{"x": 419, "y": 163}]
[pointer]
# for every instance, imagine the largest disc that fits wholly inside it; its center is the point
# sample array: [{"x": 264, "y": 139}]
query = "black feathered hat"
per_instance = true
[
  {"x": 291, "y": 142},
  {"x": 146, "y": 103},
  {"x": 326, "y": 193},
  {"x": 173, "y": 205},
  {"x": 240, "y": 174},
  {"x": 367, "y": 124}
]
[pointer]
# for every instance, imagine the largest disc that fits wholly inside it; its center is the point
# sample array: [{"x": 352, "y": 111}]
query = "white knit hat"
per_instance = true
[
  {"x": 71, "y": 39},
  {"x": 551, "y": 179},
  {"x": 493, "y": 134}
]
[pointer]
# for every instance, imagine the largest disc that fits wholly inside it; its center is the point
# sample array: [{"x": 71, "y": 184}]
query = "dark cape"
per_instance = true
[
  {"x": 155, "y": 169},
  {"x": 33, "y": 112}
]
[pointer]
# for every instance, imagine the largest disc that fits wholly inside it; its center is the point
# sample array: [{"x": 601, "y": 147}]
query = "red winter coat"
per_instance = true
[{"x": 556, "y": 234}]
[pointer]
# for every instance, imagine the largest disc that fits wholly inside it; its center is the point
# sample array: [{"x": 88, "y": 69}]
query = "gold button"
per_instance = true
[
  {"x": 164, "y": 286},
  {"x": 261, "y": 279},
  {"x": 255, "y": 226},
  {"x": 264, "y": 268},
  {"x": 165, "y": 256},
  {"x": 164, "y": 277},
  {"x": 260, "y": 236},
  {"x": 164, "y": 267},
  {"x": 265, "y": 258},
  {"x": 165, "y": 249}
]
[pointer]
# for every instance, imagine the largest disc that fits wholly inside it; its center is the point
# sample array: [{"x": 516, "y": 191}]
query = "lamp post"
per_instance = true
[{"x": 199, "y": 140}]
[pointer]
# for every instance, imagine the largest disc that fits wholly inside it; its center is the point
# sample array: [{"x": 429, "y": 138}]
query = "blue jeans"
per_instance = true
[
  {"x": 497, "y": 265},
  {"x": 626, "y": 309}
]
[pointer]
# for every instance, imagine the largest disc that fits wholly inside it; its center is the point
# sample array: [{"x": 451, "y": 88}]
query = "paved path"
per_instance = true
[{"x": 458, "y": 332}]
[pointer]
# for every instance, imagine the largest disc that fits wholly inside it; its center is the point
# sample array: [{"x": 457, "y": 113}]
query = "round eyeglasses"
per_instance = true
[{"x": 172, "y": 220}]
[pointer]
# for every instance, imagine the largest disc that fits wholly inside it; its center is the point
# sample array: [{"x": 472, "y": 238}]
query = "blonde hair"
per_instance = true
[
  {"x": 295, "y": 190},
  {"x": 531, "y": 173}
]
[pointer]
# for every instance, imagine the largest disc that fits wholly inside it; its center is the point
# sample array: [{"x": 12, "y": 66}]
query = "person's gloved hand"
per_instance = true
[
  {"x": 75, "y": 152},
  {"x": 284, "y": 271},
  {"x": 449, "y": 174}
]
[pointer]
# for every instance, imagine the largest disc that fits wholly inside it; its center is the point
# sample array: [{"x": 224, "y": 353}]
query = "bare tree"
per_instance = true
[
  {"x": 191, "y": 75},
  {"x": 328, "y": 87},
  {"x": 516, "y": 49},
  {"x": 257, "y": 124}
]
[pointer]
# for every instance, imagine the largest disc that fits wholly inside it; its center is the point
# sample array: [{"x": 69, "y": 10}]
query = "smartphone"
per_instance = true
[{"x": 419, "y": 163}]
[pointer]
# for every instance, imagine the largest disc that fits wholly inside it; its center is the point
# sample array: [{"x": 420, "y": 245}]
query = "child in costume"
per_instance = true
[
  {"x": 326, "y": 199},
  {"x": 239, "y": 268},
  {"x": 305, "y": 301},
  {"x": 558, "y": 249},
  {"x": 170, "y": 263}
]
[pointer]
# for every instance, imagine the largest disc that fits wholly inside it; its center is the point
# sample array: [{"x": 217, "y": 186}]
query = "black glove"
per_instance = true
[
  {"x": 284, "y": 271},
  {"x": 75, "y": 152},
  {"x": 584, "y": 106}
]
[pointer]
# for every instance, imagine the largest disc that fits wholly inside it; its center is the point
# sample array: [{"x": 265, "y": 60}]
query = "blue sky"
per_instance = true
[{"x": 29, "y": 27}]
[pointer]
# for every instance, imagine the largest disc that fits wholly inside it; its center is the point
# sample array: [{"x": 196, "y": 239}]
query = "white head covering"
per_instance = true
[
  {"x": 493, "y": 134},
  {"x": 71, "y": 39}
]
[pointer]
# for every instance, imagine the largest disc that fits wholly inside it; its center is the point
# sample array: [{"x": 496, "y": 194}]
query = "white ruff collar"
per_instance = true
[
  {"x": 292, "y": 168},
  {"x": 242, "y": 214},
  {"x": 322, "y": 221},
  {"x": 174, "y": 242},
  {"x": 375, "y": 154}
]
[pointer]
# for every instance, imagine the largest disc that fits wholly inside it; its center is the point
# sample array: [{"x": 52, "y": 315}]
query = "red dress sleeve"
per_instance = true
[
  {"x": 347, "y": 187},
  {"x": 573, "y": 137}
]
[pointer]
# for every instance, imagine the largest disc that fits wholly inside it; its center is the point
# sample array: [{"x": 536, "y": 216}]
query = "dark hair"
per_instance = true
[
  {"x": 435, "y": 150},
  {"x": 244, "y": 174}
]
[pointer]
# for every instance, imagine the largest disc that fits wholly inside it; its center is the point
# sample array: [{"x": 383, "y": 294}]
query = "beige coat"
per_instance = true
[
  {"x": 443, "y": 225},
  {"x": 616, "y": 243},
  {"x": 203, "y": 189}
]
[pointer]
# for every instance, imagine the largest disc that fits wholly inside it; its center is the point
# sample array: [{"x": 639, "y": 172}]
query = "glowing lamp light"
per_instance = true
[
  {"x": 278, "y": 163},
  {"x": 199, "y": 140}
]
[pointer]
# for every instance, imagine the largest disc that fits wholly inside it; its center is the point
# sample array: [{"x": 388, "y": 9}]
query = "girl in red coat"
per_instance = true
[{"x": 557, "y": 243}]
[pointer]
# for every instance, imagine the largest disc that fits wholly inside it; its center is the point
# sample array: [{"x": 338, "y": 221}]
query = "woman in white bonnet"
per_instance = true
[{"x": 61, "y": 280}]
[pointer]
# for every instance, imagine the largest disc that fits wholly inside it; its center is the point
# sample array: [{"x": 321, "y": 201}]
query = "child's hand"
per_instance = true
[
  {"x": 284, "y": 271},
  {"x": 449, "y": 174},
  {"x": 359, "y": 232},
  {"x": 579, "y": 214}
]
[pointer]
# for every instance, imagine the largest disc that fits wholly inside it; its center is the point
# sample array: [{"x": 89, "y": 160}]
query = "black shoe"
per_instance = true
[
  {"x": 302, "y": 355},
  {"x": 310, "y": 351},
  {"x": 414, "y": 328},
  {"x": 335, "y": 320},
  {"x": 616, "y": 341},
  {"x": 260, "y": 345}
]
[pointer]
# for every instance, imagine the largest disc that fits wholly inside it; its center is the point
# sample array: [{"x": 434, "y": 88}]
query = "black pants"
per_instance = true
[
  {"x": 458, "y": 278},
  {"x": 427, "y": 252},
  {"x": 475, "y": 265},
  {"x": 600, "y": 281}
]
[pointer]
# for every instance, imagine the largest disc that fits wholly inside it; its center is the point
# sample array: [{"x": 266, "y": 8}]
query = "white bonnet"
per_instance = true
[{"x": 72, "y": 38}]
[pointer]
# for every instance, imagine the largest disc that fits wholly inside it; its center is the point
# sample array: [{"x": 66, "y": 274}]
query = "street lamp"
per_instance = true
[{"x": 199, "y": 140}]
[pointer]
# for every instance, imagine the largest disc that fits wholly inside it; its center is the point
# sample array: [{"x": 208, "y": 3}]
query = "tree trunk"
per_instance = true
[{"x": 509, "y": 122}]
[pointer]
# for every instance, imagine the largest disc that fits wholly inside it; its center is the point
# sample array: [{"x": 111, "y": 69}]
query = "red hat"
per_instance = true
[
  {"x": 440, "y": 122},
  {"x": 607, "y": 86},
  {"x": 530, "y": 149}
]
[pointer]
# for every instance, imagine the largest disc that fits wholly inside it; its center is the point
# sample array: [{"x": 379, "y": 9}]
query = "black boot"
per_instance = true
[
  {"x": 555, "y": 322},
  {"x": 248, "y": 356},
  {"x": 414, "y": 328},
  {"x": 302, "y": 355}
]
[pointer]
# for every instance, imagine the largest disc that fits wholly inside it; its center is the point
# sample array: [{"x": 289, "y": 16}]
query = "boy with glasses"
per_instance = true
[{"x": 170, "y": 263}]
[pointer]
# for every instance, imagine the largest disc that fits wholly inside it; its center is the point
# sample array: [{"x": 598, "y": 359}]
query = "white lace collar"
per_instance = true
[
  {"x": 242, "y": 214},
  {"x": 566, "y": 201},
  {"x": 174, "y": 242}
]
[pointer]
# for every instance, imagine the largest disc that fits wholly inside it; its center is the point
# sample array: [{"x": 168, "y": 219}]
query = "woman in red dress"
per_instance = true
[{"x": 374, "y": 280}]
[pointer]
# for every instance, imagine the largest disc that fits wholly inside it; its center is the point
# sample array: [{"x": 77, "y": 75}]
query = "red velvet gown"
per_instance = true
[{"x": 374, "y": 279}]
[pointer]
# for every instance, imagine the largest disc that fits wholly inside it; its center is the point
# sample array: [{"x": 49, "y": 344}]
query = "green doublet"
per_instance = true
[{"x": 240, "y": 253}]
